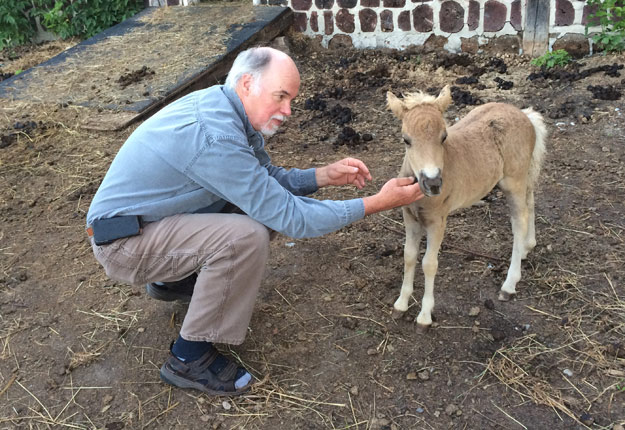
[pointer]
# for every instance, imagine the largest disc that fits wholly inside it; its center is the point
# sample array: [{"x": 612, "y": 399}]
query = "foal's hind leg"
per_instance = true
[
  {"x": 530, "y": 238},
  {"x": 516, "y": 195},
  {"x": 414, "y": 233}
]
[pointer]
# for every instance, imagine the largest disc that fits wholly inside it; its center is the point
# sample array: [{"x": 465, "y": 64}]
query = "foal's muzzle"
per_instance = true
[{"x": 431, "y": 186}]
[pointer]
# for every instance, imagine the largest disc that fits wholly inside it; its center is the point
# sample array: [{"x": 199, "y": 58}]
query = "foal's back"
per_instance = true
[{"x": 491, "y": 142}]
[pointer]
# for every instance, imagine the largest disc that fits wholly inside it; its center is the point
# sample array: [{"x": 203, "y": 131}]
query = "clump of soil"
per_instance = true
[
  {"x": 502, "y": 84},
  {"x": 573, "y": 72},
  {"x": 604, "y": 92},
  {"x": 462, "y": 97},
  {"x": 19, "y": 129},
  {"x": 135, "y": 76}
]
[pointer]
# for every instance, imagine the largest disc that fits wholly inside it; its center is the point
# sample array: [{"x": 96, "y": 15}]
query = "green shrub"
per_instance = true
[
  {"x": 610, "y": 15},
  {"x": 559, "y": 57},
  {"x": 16, "y": 22},
  {"x": 65, "y": 18},
  {"x": 85, "y": 18}
]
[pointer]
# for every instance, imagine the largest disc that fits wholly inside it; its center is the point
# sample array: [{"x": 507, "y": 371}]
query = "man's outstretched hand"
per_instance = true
[
  {"x": 346, "y": 171},
  {"x": 396, "y": 192}
]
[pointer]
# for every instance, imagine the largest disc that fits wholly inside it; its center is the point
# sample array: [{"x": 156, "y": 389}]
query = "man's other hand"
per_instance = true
[{"x": 346, "y": 171}]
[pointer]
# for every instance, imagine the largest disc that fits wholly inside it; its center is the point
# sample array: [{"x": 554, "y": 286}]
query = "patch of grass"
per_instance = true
[{"x": 559, "y": 57}]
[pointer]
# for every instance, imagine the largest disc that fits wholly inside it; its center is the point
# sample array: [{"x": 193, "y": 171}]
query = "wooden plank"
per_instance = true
[{"x": 536, "y": 32}]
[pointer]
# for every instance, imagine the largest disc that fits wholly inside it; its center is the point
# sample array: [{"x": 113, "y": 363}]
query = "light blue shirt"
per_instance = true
[{"x": 200, "y": 152}]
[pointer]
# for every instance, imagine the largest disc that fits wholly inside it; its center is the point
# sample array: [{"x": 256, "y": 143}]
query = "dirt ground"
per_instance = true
[{"x": 80, "y": 351}]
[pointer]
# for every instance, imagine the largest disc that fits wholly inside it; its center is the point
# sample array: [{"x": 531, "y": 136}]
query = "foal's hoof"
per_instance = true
[
  {"x": 422, "y": 328},
  {"x": 396, "y": 314},
  {"x": 505, "y": 296}
]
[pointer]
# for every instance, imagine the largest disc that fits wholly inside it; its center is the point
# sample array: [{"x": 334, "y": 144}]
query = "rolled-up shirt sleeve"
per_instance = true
[{"x": 229, "y": 168}]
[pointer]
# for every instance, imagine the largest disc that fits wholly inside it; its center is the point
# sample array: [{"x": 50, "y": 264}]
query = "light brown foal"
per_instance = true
[{"x": 495, "y": 144}]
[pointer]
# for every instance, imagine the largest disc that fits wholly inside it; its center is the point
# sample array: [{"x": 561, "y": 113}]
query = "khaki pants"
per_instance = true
[{"x": 229, "y": 252}]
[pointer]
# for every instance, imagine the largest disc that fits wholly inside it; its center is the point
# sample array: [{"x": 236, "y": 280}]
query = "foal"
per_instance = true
[{"x": 495, "y": 144}]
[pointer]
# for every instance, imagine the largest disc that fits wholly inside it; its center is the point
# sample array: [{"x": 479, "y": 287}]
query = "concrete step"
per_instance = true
[{"x": 132, "y": 69}]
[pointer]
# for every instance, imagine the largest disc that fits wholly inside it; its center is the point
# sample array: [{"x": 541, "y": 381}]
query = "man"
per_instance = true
[{"x": 163, "y": 213}]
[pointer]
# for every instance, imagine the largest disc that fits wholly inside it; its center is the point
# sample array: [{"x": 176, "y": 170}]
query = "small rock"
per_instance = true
[
  {"x": 226, "y": 405},
  {"x": 349, "y": 323},
  {"x": 354, "y": 390},
  {"x": 587, "y": 419},
  {"x": 618, "y": 427},
  {"x": 474, "y": 311},
  {"x": 360, "y": 306},
  {"x": 451, "y": 409},
  {"x": 379, "y": 423},
  {"x": 372, "y": 351},
  {"x": 498, "y": 335},
  {"x": 205, "y": 418},
  {"x": 567, "y": 372},
  {"x": 420, "y": 410},
  {"x": 411, "y": 376},
  {"x": 424, "y": 375}
]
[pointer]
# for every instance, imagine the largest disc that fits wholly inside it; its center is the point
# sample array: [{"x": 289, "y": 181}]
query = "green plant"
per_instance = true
[
  {"x": 85, "y": 18},
  {"x": 559, "y": 57},
  {"x": 610, "y": 15},
  {"x": 65, "y": 18},
  {"x": 16, "y": 26}
]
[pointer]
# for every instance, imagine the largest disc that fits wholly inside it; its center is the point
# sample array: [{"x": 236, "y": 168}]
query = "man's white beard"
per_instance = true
[{"x": 270, "y": 129}]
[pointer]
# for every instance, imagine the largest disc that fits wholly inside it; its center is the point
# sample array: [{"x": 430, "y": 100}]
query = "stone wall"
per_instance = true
[{"x": 456, "y": 25}]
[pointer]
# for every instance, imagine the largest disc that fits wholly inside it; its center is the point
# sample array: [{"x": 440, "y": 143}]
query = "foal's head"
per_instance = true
[{"x": 424, "y": 133}]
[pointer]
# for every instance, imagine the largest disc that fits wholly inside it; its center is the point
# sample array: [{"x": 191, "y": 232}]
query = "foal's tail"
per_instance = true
[{"x": 539, "y": 146}]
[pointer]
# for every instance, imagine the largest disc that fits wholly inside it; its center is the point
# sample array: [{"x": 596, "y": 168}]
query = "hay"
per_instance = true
[{"x": 174, "y": 43}]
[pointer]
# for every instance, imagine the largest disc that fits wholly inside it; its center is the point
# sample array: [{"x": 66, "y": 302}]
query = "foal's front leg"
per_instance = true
[
  {"x": 414, "y": 233},
  {"x": 435, "y": 232}
]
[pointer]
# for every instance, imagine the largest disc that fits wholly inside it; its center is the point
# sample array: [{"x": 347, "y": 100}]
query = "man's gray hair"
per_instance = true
[{"x": 253, "y": 62}]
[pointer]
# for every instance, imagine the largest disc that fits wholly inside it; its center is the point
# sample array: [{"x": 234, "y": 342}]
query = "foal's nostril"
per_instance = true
[{"x": 434, "y": 185}]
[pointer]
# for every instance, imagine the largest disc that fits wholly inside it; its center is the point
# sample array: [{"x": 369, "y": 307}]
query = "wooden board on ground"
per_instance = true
[{"x": 133, "y": 69}]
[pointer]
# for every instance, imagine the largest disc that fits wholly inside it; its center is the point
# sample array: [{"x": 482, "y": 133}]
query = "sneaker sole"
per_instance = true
[{"x": 177, "y": 381}]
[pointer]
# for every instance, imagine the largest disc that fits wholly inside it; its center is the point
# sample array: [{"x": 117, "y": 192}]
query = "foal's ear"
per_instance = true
[
  {"x": 395, "y": 105},
  {"x": 444, "y": 99}
]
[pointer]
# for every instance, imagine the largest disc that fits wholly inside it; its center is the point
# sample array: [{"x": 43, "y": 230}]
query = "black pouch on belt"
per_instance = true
[{"x": 108, "y": 230}]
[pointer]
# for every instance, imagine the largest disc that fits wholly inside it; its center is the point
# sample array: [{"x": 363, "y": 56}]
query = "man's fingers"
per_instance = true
[{"x": 408, "y": 180}]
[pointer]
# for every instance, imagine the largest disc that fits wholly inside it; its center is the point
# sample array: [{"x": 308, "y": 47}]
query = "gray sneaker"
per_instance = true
[
  {"x": 169, "y": 291},
  {"x": 198, "y": 375}
]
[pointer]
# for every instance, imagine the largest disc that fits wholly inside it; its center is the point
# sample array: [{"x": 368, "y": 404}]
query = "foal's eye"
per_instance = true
[
  {"x": 444, "y": 137},
  {"x": 406, "y": 141}
]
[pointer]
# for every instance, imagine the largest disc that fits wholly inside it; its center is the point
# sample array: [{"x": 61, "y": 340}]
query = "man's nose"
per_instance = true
[{"x": 286, "y": 109}]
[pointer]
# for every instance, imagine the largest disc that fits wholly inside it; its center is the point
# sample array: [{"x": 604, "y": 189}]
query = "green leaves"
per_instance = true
[
  {"x": 65, "y": 18},
  {"x": 609, "y": 16},
  {"x": 559, "y": 57},
  {"x": 15, "y": 22},
  {"x": 85, "y": 18}
]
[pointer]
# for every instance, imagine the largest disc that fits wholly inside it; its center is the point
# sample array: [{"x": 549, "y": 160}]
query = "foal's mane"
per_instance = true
[{"x": 412, "y": 100}]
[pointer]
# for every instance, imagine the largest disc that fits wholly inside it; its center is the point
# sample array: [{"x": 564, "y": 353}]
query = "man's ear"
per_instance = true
[{"x": 245, "y": 84}]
